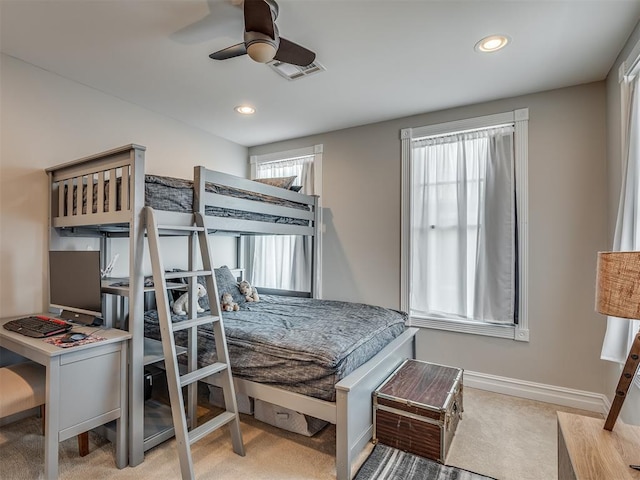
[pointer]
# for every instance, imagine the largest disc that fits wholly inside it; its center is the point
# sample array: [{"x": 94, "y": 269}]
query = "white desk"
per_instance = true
[{"x": 86, "y": 387}]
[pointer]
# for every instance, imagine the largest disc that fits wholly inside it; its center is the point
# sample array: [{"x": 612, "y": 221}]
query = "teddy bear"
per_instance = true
[
  {"x": 227, "y": 304},
  {"x": 181, "y": 305},
  {"x": 249, "y": 292}
]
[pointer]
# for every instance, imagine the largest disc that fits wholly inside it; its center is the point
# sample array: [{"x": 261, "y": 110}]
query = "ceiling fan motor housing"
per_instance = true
[{"x": 260, "y": 47}]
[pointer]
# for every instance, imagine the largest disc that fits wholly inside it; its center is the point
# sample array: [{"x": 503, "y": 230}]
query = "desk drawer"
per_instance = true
[{"x": 92, "y": 387}]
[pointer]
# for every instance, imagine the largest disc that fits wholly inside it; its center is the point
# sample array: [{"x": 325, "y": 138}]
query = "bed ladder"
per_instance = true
[{"x": 175, "y": 380}]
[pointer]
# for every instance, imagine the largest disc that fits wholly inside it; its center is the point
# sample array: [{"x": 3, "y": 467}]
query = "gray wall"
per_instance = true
[
  {"x": 567, "y": 224},
  {"x": 48, "y": 120}
]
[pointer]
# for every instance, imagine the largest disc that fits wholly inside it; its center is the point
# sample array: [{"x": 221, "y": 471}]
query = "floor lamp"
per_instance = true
[{"x": 618, "y": 295}]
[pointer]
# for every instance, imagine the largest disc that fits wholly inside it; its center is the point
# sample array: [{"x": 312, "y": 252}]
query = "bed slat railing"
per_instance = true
[
  {"x": 90, "y": 194},
  {"x": 113, "y": 200},
  {"x": 81, "y": 195},
  {"x": 61, "y": 199},
  {"x": 204, "y": 199},
  {"x": 253, "y": 186},
  {"x": 94, "y": 190},
  {"x": 95, "y": 163},
  {"x": 126, "y": 192},
  {"x": 100, "y": 205}
]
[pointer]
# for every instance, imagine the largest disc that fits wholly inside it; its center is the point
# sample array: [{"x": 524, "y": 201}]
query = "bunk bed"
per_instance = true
[{"x": 104, "y": 195}]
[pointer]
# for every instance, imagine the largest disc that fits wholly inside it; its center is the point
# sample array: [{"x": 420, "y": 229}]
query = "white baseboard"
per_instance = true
[{"x": 593, "y": 402}]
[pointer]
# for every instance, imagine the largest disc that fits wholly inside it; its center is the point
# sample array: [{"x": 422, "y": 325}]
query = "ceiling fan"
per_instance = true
[{"x": 261, "y": 39}]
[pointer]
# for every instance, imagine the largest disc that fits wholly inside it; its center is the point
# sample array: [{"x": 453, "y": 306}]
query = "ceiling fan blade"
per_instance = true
[
  {"x": 289, "y": 52},
  {"x": 229, "y": 52},
  {"x": 258, "y": 18}
]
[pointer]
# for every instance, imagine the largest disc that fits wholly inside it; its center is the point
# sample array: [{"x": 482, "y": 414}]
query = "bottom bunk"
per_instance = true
[
  {"x": 320, "y": 358},
  {"x": 352, "y": 411}
]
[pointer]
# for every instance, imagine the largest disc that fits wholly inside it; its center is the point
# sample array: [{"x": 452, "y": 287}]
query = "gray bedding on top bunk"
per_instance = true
[
  {"x": 299, "y": 344},
  {"x": 176, "y": 195}
]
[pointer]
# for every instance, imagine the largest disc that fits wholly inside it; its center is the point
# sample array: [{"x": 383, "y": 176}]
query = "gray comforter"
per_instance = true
[
  {"x": 299, "y": 344},
  {"x": 176, "y": 195}
]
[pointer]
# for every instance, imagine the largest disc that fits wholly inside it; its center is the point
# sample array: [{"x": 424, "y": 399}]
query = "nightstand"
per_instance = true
[{"x": 588, "y": 452}]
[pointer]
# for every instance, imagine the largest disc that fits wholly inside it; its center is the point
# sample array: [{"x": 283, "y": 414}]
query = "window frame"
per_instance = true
[
  {"x": 520, "y": 119},
  {"x": 627, "y": 71},
  {"x": 316, "y": 151}
]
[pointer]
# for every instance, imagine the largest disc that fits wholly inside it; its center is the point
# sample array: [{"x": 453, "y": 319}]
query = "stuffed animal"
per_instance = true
[
  {"x": 249, "y": 292},
  {"x": 227, "y": 304},
  {"x": 181, "y": 305}
]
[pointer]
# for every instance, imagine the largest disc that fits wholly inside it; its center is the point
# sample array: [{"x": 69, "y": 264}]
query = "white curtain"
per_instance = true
[
  {"x": 621, "y": 332},
  {"x": 464, "y": 226},
  {"x": 283, "y": 261}
]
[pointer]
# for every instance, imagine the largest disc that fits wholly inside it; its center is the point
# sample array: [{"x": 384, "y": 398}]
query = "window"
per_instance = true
[
  {"x": 284, "y": 262},
  {"x": 621, "y": 332},
  {"x": 464, "y": 225}
]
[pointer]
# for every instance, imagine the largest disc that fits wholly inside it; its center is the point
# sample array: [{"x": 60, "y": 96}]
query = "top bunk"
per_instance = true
[{"x": 105, "y": 194}]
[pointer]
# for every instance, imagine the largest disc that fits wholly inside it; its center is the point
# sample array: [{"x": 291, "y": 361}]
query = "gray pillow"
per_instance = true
[
  {"x": 224, "y": 279},
  {"x": 282, "y": 182},
  {"x": 227, "y": 283}
]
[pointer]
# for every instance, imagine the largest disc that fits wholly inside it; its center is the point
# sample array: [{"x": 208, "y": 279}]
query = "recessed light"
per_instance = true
[
  {"x": 492, "y": 43},
  {"x": 245, "y": 109}
]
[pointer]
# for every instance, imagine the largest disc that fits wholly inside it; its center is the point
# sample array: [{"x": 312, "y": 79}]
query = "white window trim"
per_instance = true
[
  {"x": 626, "y": 73},
  {"x": 316, "y": 151},
  {"x": 520, "y": 119},
  {"x": 630, "y": 67}
]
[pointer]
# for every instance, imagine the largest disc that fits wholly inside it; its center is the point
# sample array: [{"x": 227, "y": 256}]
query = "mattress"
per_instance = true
[
  {"x": 299, "y": 344},
  {"x": 176, "y": 195}
]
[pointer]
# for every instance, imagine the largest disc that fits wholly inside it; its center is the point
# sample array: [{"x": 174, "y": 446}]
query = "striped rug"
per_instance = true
[{"x": 386, "y": 463}]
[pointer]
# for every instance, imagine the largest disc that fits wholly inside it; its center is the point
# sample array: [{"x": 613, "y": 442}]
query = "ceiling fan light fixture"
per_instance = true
[
  {"x": 261, "y": 39},
  {"x": 261, "y": 52},
  {"x": 492, "y": 43},
  {"x": 245, "y": 109}
]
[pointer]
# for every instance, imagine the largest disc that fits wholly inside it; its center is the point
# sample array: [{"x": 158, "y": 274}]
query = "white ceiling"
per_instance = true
[{"x": 384, "y": 59}]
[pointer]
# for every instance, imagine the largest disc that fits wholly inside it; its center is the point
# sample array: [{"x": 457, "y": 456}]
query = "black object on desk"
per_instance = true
[
  {"x": 37, "y": 326},
  {"x": 72, "y": 337}
]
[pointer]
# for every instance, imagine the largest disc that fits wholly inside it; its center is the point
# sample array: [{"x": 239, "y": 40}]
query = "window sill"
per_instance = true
[{"x": 512, "y": 332}]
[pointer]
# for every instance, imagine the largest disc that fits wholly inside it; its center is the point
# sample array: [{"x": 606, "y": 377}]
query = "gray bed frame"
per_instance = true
[{"x": 352, "y": 410}]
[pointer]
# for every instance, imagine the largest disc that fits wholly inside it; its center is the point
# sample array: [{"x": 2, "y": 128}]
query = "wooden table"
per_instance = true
[{"x": 588, "y": 452}]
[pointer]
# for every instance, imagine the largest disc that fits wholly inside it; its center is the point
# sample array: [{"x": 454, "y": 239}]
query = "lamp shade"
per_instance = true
[{"x": 618, "y": 284}]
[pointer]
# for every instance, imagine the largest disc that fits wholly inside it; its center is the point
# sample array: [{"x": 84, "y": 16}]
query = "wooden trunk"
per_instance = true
[{"x": 418, "y": 407}]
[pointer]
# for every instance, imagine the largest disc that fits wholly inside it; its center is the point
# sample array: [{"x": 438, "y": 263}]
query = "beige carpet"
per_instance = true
[
  {"x": 507, "y": 438},
  {"x": 500, "y": 436}
]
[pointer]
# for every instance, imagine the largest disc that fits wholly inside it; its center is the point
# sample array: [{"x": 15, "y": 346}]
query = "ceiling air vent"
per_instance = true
[{"x": 294, "y": 72}]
